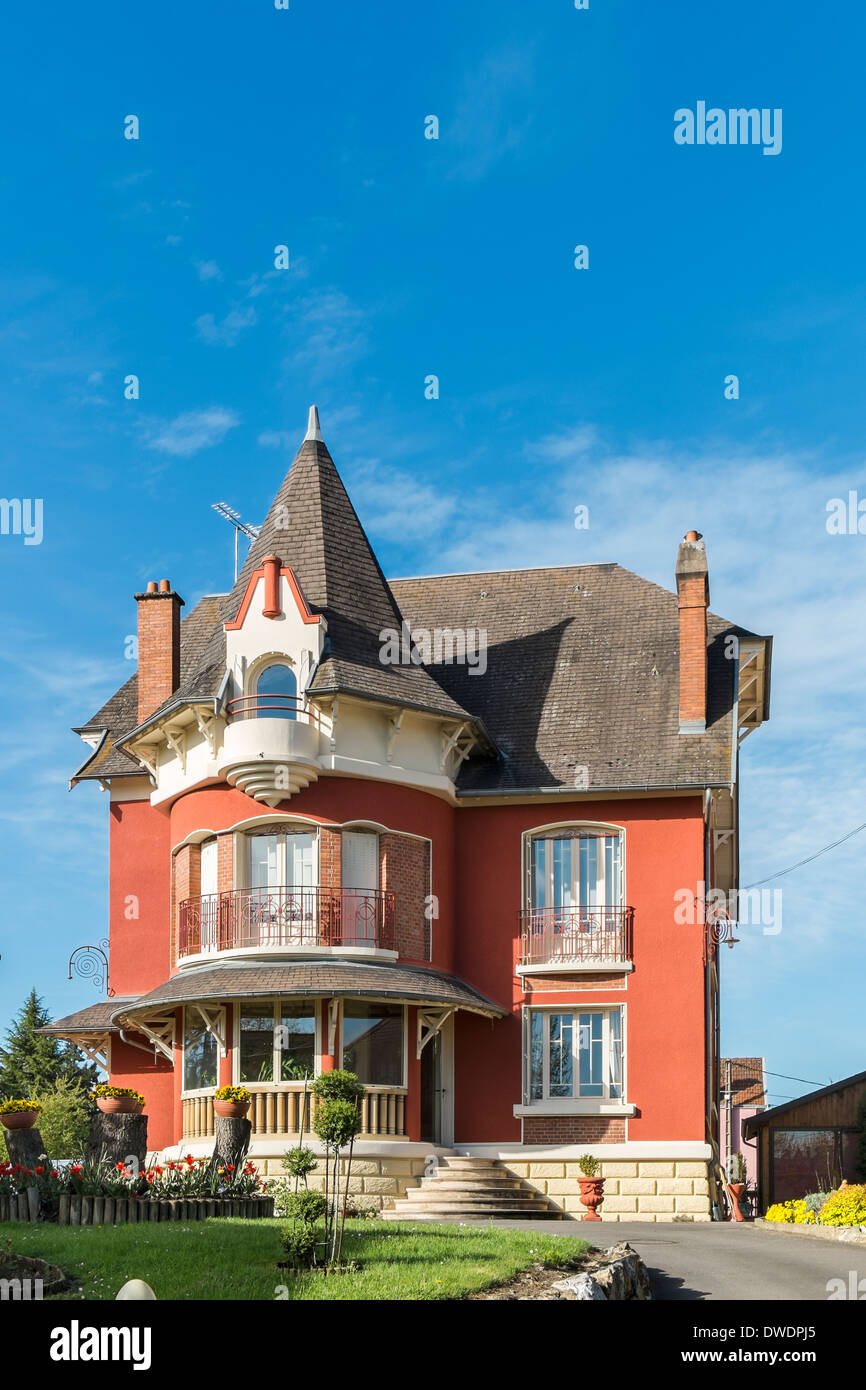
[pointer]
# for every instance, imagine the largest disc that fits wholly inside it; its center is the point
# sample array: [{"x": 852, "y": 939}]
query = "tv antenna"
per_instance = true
[{"x": 234, "y": 519}]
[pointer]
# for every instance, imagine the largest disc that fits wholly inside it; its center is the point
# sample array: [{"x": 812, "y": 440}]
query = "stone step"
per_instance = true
[
  {"x": 470, "y": 1184},
  {"x": 474, "y": 1199},
  {"x": 467, "y": 1161},
  {"x": 404, "y": 1211}
]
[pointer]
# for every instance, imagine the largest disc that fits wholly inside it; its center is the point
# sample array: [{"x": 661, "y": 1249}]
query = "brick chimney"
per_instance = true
[
  {"x": 158, "y": 646},
  {"x": 693, "y": 596}
]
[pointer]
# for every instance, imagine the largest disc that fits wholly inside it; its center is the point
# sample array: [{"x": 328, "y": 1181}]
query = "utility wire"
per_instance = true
[
  {"x": 785, "y": 1077},
  {"x": 808, "y": 860}
]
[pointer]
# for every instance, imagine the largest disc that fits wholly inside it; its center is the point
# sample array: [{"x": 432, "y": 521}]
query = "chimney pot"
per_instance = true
[
  {"x": 164, "y": 586},
  {"x": 272, "y": 566},
  {"x": 693, "y": 536},
  {"x": 151, "y": 586}
]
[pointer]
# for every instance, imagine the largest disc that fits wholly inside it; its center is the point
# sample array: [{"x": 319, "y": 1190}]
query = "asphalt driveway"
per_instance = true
[{"x": 725, "y": 1260}]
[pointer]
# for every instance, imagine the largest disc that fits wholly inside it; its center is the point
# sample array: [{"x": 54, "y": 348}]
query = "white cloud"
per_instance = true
[
  {"x": 329, "y": 332},
  {"x": 494, "y": 110},
  {"x": 225, "y": 332},
  {"x": 192, "y": 431},
  {"x": 208, "y": 270}
]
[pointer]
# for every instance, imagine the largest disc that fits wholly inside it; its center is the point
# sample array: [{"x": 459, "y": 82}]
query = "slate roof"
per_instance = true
[
  {"x": 582, "y": 661},
  {"x": 313, "y": 978},
  {"x": 582, "y": 672},
  {"x": 96, "y": 1018}
]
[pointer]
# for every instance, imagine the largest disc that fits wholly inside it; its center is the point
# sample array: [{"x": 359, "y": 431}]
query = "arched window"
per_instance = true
[{"x": 276, "y": 691}]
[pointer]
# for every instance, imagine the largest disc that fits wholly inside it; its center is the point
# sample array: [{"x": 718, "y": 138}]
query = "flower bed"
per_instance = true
[
  {"x": 98, "y": 1193},
  {"x": 844, "y": 1207}
]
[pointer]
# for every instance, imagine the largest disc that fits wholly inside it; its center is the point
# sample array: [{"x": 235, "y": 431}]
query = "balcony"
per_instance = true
[
  {"x": 575, "y": 939},
  {"x": 286, "y": 919},
  {"x": 270, "y": 747}
]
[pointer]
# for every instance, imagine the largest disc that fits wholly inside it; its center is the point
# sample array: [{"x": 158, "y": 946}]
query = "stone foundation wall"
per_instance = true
[
  {"x": 374, "y": 1181},
  {"x": 634, "y": 1190}
]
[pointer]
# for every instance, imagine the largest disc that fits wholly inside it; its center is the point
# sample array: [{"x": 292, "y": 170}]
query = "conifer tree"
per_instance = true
[{"x": 31, "y": 1062}]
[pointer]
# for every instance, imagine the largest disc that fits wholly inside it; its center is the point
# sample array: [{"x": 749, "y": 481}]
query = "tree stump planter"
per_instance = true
[
  {"x": 118, "y": 1137},
  {"x": 25, "y": 1146}
]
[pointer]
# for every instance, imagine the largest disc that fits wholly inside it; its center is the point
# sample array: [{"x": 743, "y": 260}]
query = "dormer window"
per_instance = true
[{"x": 277, "y": 692}]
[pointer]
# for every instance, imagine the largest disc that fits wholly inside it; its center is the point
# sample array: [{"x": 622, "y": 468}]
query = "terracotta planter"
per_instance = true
[
  {"x": 592, "y": 1196},
  {"x": 231, "y": 1109},
  {"x": 738, "y": 1192},
  {"x": 20, "y": 1119},
  {"x": 119, "y": 1105}
]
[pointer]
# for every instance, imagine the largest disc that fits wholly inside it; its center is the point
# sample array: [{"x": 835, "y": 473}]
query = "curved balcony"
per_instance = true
[
  {"x": 271, "y": 746},
  {"x": 286, "y": 920},
  {"x": 576, "y": 938}
]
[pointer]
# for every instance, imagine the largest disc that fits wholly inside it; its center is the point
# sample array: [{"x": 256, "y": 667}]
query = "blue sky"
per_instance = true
[{"x": 558, "y": 387}]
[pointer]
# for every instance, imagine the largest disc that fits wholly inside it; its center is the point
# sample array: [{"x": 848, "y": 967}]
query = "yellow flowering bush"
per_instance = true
[
  {"x": 15, "y": 1107},
  {"x": 236, "y": 1093},
  {"x": 795, "y": 1212},
  {"x": 846, "y": 1207}
]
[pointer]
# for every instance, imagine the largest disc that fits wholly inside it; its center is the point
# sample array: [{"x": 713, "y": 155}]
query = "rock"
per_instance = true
[
  {"x": 135, "y": 1289},
  {"x": 623, "y": 1276},
  {"x": 581, "y": 1288}
]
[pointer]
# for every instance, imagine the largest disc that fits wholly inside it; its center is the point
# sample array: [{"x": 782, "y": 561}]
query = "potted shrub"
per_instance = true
[
  {"x": 737, "y": 1185},
  {"x": 231, "y": 1102},
  {"x": 591, "y": 1186},
  {"x": 117, "y": 1100},
  {"x": 19, "y": 1114}
]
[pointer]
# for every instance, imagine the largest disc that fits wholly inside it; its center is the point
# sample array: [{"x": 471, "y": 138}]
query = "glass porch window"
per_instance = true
[
  {"x": 373, "y": 1042},
  {"x": 199, "y": 1054},
  {"x": 575, "y": 1055},
  {"x": 277, "y": 1040}
]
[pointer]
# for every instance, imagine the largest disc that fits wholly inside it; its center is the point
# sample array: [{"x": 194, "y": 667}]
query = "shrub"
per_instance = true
[
  {"x": 337, "y": 1122},
  {"x": 306, "y": 1206},
  {"x": 589, "y": 1166},
  {"x": 65, "y": 1119},
  {"x": 338, "y": 1085},
  {"x": 299, "y": 1244},
  {"x": 813, "y": 1201},
  {"x": 738, "y": 1168},
  {"x": 847, "y": 1207},
  {"x": 299, "y": 1163},
  {"x": 793, "y": 1212}
]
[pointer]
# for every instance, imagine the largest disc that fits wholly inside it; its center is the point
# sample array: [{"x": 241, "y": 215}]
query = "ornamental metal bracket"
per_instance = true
[
  {"x": 430, "y": 1022},
  {"x": 91, "y": 963},
  {"x": 719, "y": 930},
  {"x": 214, "y": 1021}
]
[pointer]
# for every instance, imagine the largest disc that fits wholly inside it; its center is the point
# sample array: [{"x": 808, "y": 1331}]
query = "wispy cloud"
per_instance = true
[
  {"x": 225, "y": 332},
  {"x": 494, "y": 111},
  {"x": 191, "y": 432},
  {"x": 208, "y": 270},
  {"x": 327, "y": 331}
]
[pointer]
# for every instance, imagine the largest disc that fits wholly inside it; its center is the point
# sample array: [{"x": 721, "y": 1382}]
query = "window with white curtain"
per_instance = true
[
  {"x": 284, "y": 858},
  {"x": 574, "y": 1055},
  {"x": 575, "y": 868}
]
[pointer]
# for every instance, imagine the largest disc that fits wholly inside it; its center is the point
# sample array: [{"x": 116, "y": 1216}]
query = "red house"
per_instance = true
[{"x": 439, "y": 832}]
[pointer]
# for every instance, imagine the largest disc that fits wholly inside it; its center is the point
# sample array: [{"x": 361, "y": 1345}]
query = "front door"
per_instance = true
[{"x": 431, "y": 1091}]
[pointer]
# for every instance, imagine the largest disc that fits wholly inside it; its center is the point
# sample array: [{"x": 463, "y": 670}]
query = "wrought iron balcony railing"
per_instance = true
[
  {"x": 272, "y": 707},
  {"x": 284, "y": 917},
  {"x": 576, "y": 935}
]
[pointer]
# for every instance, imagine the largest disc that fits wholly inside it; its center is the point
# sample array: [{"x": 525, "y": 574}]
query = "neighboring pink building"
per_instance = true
[{"x": 743, "y": 1092}]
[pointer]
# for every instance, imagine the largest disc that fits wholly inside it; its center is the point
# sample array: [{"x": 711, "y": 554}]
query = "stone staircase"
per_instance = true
[{"x": 472, "y": 1190}]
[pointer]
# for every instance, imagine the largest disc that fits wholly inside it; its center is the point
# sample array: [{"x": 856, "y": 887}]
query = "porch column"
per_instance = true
[
  {"x": 329, "y": 1056},
  {"x": 413, "y": 1079}
]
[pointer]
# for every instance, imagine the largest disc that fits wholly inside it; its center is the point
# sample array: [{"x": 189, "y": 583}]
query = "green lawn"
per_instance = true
[{"x": 237, "y": 1259}]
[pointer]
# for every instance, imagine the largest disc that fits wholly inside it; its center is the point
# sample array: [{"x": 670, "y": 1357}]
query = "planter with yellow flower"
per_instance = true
[
  {"x": 19, "y": 1114},
  {"x": 231, "y": 1102},
  {"x": 117, "y": 1100}
]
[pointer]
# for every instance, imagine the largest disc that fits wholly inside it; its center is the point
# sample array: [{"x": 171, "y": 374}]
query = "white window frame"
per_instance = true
[
  {"x": 198, "y": 1090},
  {"x": 243, "y": 859},
  {"x": 276, "y": 1004},
  {"x": 575, "y": 830},
  {"x": 403, "y": 1085},
  {"x": 576, "y": 1101}
]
